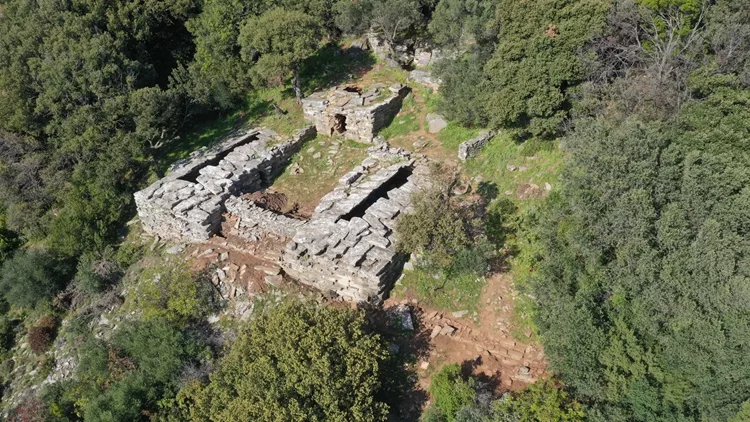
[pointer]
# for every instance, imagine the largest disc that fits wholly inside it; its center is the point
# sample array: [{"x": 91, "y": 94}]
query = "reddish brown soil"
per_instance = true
[{"x": 487, "y": 349}]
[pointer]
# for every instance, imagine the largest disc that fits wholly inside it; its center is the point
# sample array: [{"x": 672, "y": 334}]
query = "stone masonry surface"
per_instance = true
[
  {"x": 255, "y": 221},
  {"x": 188, "y": 203},
  {"x": 354, "y": 115},
  {"x": 473, "y": 146},
  {"x": 348, "y": 246}
]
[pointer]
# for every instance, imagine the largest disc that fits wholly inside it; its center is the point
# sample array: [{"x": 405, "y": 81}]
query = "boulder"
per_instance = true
[{"x": 435, "y": 123}]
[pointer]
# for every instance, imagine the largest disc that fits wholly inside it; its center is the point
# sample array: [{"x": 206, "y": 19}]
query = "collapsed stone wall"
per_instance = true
[
  {"x": 254, "y": 221},
  {"x": 188, "y": 203},
  {"x": 474, "y": 146},
  {"x": 348, "y": 246},
  {"x": 354, "y": 115}
]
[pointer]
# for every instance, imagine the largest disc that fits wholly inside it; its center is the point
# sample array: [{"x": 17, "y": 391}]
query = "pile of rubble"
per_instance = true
[
  {"x": 353, "y": 114},
  {"x": 188, "y": 203}
]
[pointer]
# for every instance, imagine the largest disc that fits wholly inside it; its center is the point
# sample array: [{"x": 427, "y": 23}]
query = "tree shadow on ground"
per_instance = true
[
  {"x": 333, "y": 65},
  {"x": 486, "y": 382},
  {"x": 406, "y": 349}
]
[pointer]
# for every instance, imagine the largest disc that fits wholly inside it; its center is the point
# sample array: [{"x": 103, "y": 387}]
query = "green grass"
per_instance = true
[
  {"x": 402, "y": 125},
  {"x": 318, "y": 177},
  {"x": 460, "y": 293},
  {"x": 454, "y": 135},
  {"x": 542, "y": 162}
]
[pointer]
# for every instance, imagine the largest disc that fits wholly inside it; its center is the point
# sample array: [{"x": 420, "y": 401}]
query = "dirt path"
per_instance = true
[{"x": 487, "y": 349}]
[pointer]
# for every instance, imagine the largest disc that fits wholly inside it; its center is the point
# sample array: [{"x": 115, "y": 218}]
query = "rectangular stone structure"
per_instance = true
[
  {"x": 188, "y": 203},
  {"x": 354, "y": 115},
  {"x": 349, "y": 247}
]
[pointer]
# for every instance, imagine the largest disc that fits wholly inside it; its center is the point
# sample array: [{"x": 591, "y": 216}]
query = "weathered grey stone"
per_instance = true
[
  {"x": 354, "y": 256},
  {"x": 425, "y": 78},
  {"x": 352, "y": 114},
  {"x": 187, "y": 204},
  {"x": 473, "y": 146},
  {"x": 435, "y": 123}
]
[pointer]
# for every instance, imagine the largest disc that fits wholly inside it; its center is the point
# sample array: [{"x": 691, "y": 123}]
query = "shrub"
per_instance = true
[
  {"x": 298, "y": 362},
  {"x": 97, "y": 271},
  {"x": 172, "y": 293},
  {"x": 41, "y": 335},
  {"x": 451, "y": 392},
  {"x": 31, "y": 276}
]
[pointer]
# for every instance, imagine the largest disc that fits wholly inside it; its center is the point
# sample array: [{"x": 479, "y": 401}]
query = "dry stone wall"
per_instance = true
[
  {"x": 253, "y": 221},
  {"x": 348, "y": 246},
  {"x": 354, "y": 115},
  {"x": 474, "y": 146},
  {"x": 188, "y": 203}
]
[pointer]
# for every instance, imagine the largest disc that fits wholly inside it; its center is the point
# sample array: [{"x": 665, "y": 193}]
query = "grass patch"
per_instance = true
[
  {"x": 460, "y": 293},
  {"x": 402, "y": 125},
  {"x": 454, "y": 135},
  {"x": 536, "y": 161},
  {"x": 319, "y": 176}
]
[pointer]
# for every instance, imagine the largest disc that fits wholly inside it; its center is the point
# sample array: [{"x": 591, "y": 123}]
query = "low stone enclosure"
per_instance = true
[
  {"x": 353, "y": 114},
  {"x": 188, "y": 203},
  {"x": 347, "y": 248}
]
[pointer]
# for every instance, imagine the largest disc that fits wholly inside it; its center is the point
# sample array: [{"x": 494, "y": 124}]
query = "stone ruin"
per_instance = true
[
  {"x": 189, "y": 202},
  {"x": 475, "y": 145},
  {"x": 353, "y": 114},
  {"x": 347, "y": 248}
]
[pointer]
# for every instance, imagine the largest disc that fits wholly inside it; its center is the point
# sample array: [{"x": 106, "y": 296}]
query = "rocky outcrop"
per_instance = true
[
  {"x": 473, "y": 146},
  {"x": 353, "y": 114},
  {"x": 348, "y": 246},
  {"x": 188, "y": 203}
]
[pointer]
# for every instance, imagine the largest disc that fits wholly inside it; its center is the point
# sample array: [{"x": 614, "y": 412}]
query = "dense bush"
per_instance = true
[
  {"x": 41, "y": 335},
  {"x": 451, "y": 392},
  {"x": 171, "y": 292},
  {"x": 97, "y": 271},
  {"x": 32, "y": 276},
  {"x": 297, "y": 362},
  {"x": 132, "y": 377},
  {"x": 642, "y": 262},
  {"x": 459, "y": 399}
]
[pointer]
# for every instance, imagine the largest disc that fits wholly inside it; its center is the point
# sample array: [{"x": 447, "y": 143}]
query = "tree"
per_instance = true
[
  {"x": 32, "y": 276},
  {"x": 461, "y": 23},
  {"x": 537, "y": 60},
  {"x": 641, "y": 263},
  {"x": 391, "y": 19},
  {"x": 297, "y": 362},
  {"x": 283, "y": 39},
  {"x": 465, "y": 89}
]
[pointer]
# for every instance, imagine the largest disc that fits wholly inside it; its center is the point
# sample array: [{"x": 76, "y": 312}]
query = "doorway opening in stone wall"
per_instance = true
[{"x": 339, "y": 123}]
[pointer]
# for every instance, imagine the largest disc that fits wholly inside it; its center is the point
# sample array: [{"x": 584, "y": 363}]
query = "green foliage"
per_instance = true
[
  {"x": 127, "y": 377},
  {"x": 31, "y": 277},
  {"x": 284, "y": 39},
  {"x": 464, "y": 91},
  {"x": 455, "y": 23},
  {"x": 297, "y": 363},
  {"x": 435, "y": 229},
  {"x": 391, "y": 19},
  {"x": 173, "y": 293},
  {"x": 451, "y": 392},
  {"x": 641, "y": 263},
  {"x": 541, "y": 402},
  {"x": 97, "y": 271},
  {"x": 537, "y": 59}
]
